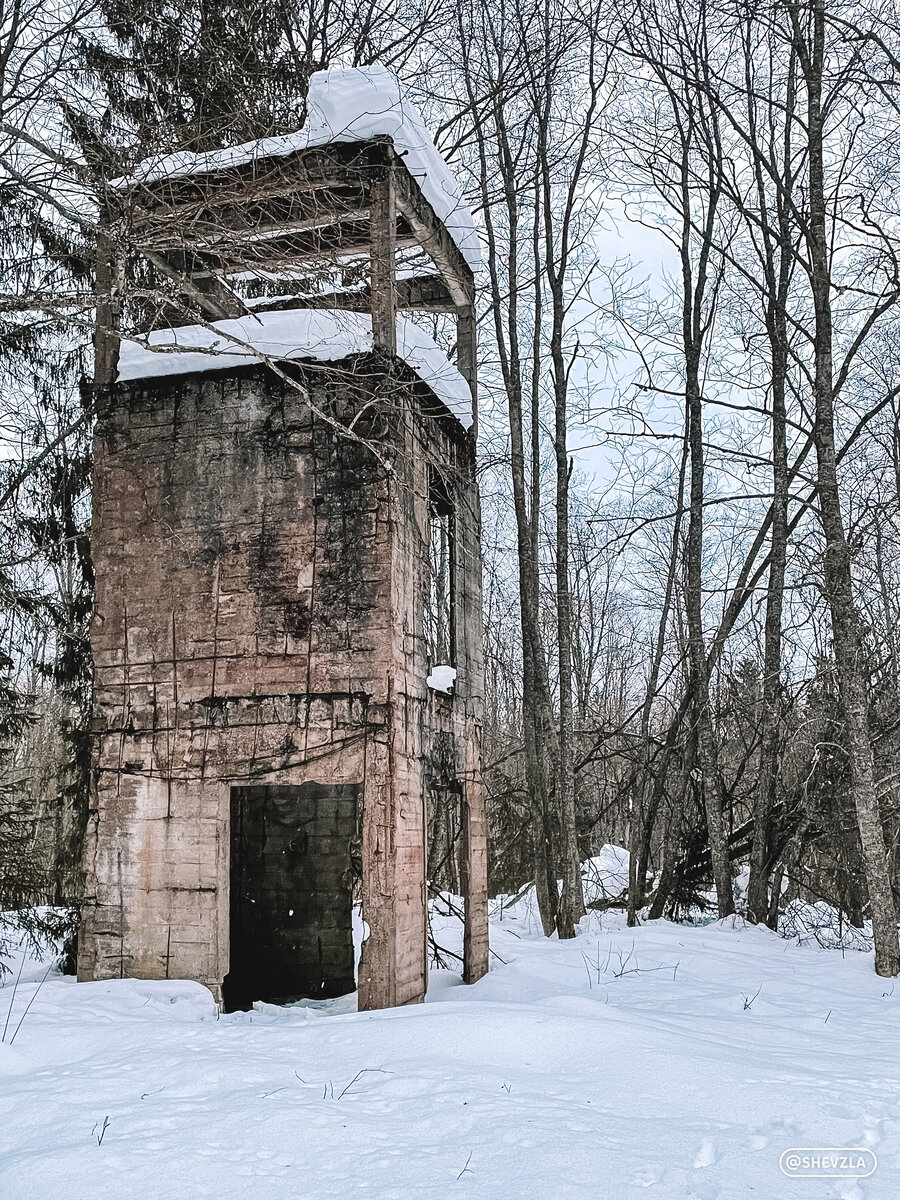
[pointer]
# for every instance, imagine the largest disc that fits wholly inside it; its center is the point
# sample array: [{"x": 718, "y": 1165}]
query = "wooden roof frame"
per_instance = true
[
  {"x": 307, "y": 208},
  {"x": 310, "y": 208}
]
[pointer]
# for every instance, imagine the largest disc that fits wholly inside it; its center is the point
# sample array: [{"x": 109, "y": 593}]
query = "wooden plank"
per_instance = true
[
  {"x": 338, "y": 165},
  {"x": 210, "y": 295},
  {"x": 383, "y": 258},
  {"x": 433, "y": 237},
  {"x": 325, "y": 247},
  {"x": 466, "y": 356},
  {"x": 422, "y": 293},
  {"x": 209, "y": 229},
  {"x": 324, "y": 241},
  {"x": 325, "y": 256}
]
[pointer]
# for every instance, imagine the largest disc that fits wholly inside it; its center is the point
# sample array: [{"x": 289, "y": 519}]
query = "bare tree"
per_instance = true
[
  {"x": 678, "y": 153},
  {"x": 537, "y": 80}
]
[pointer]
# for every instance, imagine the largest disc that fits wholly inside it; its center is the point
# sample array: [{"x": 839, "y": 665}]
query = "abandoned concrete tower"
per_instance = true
[{"x": 287, "y": 643}]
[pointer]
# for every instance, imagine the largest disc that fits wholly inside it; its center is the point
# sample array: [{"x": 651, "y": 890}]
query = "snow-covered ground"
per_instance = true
[{"x": 666, "y": 1061}]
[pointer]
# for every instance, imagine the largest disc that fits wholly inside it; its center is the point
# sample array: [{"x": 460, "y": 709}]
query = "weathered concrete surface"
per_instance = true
[{"x": 261, "y": 582}]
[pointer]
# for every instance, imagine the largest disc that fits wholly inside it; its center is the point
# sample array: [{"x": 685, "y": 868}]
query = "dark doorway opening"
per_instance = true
[{"x": 293, "y": 866}]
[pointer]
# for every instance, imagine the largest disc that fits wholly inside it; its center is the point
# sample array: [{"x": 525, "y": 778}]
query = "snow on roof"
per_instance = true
[
  {"x": 349, "y": 105},
  {"x": 324, "y": 334}
]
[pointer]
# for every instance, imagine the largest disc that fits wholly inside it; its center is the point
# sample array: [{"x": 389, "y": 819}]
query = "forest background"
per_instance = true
[{"x": 689, "y": 415}]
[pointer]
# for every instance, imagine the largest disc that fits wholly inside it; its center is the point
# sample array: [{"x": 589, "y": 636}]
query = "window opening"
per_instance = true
[{"x": 440, "y": 614}]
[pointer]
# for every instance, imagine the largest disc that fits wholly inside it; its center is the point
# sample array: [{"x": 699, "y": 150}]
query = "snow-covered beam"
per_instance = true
[{"x": 313, "y": 205}]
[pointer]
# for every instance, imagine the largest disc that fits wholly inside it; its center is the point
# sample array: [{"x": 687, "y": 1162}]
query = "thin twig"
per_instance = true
[
  {"x": 30, "y": 1002},
  {"x": 13, "y": 997}
]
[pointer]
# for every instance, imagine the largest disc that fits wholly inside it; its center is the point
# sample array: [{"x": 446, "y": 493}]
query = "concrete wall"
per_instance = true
[{"x": 258, "y": 620}]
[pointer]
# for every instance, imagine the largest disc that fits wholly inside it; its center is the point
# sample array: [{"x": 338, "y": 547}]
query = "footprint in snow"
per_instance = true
[
  {"x": 647, "y": 1177},
  {"x": 706, "y": 1155},
  {"x": 849, "y": 1189}
]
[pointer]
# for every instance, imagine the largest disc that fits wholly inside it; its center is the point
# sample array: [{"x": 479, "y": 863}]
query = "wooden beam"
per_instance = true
[
  {"x": 288, "y": 257},
  {"x": 325, "y": 246},
  {"x": 210, "y": 230},
  {"x": 337, "y": 165},
  {"x": 383, "y": 259},
  {"x": 422, "y": 293},
  {"x": 322, "y": 242},
  {"x": 209, "y": 293},
  {"x": 433, "y": 237},
  {"x": 466, "y": 356}
]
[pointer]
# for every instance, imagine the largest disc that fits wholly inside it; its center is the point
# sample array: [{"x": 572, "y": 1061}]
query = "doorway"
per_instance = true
[{"x": 292, "y": 875}]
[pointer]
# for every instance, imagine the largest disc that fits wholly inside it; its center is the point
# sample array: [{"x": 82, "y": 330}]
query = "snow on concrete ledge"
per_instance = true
[
  {"x": 351, "y": 105},
  {"x": 442, "y": 679},
  {"x": 327, "y": 335}
]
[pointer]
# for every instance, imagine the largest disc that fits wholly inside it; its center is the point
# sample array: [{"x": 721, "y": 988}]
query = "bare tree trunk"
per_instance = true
[
  {"x": 687, "y": 170},
  {"x": 571, "y": 903},
  {"x": 544, "y": 768},
  {"x": 846, "y": 626},
  {"x": 777, "y": 277},
  {"x": 646, "y": 794},
  {"x": 557, "y": 230},
  {"x": 707, "y": 757},
  {"x": 503, "y": 267},
  {"x": 770, "y": 741},
  {"x": 695, "y": 278}
]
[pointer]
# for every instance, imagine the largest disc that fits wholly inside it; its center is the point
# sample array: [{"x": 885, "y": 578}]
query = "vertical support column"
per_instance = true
[
  {"x": 384, "y": 261},
  {"x": 102, "y": 930},
  {"x": 108, "y": 276},
  {"x": 473, "y": 864},
  {"x": 466, "y": 356},
  {"x": 377, "y": 980},
  {"x": 474, "y": 823}
]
